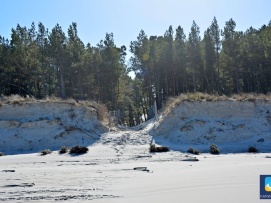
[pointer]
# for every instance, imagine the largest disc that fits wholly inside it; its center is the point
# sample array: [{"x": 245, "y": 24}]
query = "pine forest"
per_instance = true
[{"x": 39, "y": 63}]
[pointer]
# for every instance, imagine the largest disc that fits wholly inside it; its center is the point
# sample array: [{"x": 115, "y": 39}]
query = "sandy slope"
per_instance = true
[
  {"x": 32, "y": 127},
  {"x": 232, "y": 125},
  {"x": 106, "y": 173}
]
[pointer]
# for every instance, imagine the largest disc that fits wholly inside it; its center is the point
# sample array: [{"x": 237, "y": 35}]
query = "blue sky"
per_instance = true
[{"x": 125, "y": 18}]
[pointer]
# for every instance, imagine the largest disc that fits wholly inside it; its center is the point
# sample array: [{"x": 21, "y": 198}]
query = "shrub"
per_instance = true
[
  {"x": 78, "y": 150},
  {"x": 2, "y": 154},
  {"x": 193, "y": 151},
  {"x": 63, "y": 150},
  {"x": 153, "y": 148},
  {"x": 102, "y": 112},
  {"x": 46, "y": 151},
  {"x": 214, "y": 149},
  {"x": 162, "y": 149},
  {"x": 253, "y": 150}
]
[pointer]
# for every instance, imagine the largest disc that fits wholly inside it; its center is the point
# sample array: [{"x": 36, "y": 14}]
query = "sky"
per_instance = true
[{"x": 125, "y": 18}]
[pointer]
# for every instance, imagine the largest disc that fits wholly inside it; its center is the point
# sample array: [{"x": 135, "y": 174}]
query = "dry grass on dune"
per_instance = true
[
  {"x": 102, "y": 111},
  {"x": 198, "y": 96}
]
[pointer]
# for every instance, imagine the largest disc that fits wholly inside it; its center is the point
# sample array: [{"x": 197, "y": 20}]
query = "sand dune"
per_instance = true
[{"x": 120, "y": 168}]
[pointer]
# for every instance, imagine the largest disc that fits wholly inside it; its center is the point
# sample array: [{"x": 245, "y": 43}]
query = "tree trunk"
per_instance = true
[
  {"x": 194, "y": 81},
  {"x": 144, "y": 112},
  {"x": 42, "y": 83},
  {"x": 62, "y": 84}
]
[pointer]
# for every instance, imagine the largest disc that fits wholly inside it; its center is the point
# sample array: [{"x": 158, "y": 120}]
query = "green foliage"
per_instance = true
[
  {"x": 193, "y": 151},
  {"x": 195, "y": 65},
  {"x": 63, "y": 150},
  {"x": 78, "y": 150},
  {"x": 45, "y": 152},
  {"x": 252, "y": 149},
  {"x": 154, "y": 148},
  {"x": 42, "y": 63},
  {"x": 214, "y": 149}
]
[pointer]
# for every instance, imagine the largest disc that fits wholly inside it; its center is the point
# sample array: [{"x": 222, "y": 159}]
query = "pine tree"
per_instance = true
[
  {"x": 210, "y": 60},
  {"x": 195, "y": 60},
  {"x": 169, "y": 68},
  {"x": 231, "y": 54},
  {"x": 59, "y": 55},
  {"x": 112, "y": 67},
  {"x": 180, "y": 60},
  {"x": 20, "y": 61},
  {"x": 215, "y": 36},
  {"x": 76, "y": 72},
  {"x": 33, "y": 61},
  {"x": 43, "y": 57},
  {"x": 6, "y": 71}
]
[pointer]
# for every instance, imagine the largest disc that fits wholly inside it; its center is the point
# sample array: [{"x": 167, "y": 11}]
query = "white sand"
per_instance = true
[
  {"x": 106, "y": 173},
  {"x": 227, "y": 178}
]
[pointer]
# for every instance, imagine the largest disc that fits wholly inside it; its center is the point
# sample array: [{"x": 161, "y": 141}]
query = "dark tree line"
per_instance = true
[
  {"x": 41, "y": 63},
  {"x": 225, "y": 61}
]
